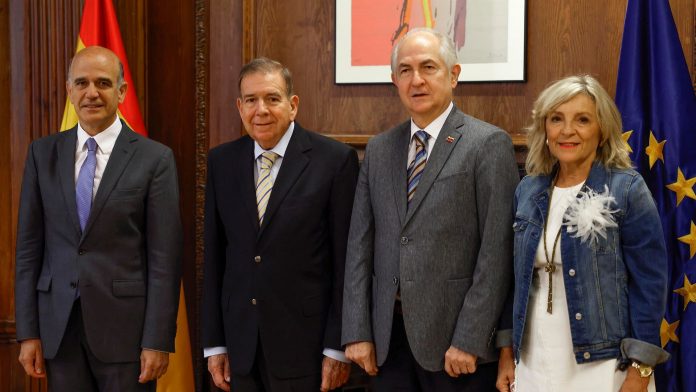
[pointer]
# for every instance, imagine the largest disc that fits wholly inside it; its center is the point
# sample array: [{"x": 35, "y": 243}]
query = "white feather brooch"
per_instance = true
[{"x": 590, "y": 214}]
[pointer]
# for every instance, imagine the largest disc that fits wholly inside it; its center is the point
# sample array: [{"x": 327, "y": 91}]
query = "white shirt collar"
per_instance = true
[
  {"x": 433, "y": 129},
  {"x": 278, "y": 148},
  {"x": 105, "y": 139}
]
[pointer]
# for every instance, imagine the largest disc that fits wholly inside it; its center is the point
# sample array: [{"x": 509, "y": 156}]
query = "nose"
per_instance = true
[
  {"x": 261, "y": 107},
  {"x": 92, "y": 91},
  {"x": 417, "y": 79},
  {"x": 568, "y": 128}
]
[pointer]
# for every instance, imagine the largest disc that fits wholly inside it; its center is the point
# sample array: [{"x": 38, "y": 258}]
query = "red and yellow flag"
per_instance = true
[{"x": 100, "y": 27}]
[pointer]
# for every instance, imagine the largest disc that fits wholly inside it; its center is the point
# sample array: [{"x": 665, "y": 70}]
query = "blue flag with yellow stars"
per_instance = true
[{"x": 656, "y": 98}]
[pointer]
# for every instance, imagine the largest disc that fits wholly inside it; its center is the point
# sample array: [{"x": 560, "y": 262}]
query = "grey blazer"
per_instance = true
[
  {"x": 126, "y": 263},
  {"x": 450, "y": 251}
]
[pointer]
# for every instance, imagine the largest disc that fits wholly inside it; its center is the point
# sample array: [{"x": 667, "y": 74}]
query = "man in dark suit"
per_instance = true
[
  {"x": 430, "y": 245},
  {"x": 98, "y": 245},
  {"x": 278, "y": 205}
]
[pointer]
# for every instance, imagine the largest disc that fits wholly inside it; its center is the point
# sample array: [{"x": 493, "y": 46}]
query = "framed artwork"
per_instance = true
[{"x": 489, "y": 36}]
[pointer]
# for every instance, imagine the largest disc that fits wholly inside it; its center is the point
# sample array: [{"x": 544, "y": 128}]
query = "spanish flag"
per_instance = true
[{"x": 100, "y": 27}]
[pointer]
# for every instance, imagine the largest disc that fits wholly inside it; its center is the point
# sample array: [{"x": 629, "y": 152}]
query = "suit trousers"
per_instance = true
[
  {"x": 261, "y": 378},
  {"x": 401, "y": 373},
  {"x": 75, "y": 368}
]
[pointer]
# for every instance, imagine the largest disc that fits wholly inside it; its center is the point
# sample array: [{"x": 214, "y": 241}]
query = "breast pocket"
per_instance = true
[{"x": 126, "y": 194}]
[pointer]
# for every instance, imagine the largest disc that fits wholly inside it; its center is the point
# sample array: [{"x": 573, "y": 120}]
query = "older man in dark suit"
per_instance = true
[
  {"x": 430, "y": 246},
  {"x": 98, "y": 245},
  {"x": 278, "y": 205}
]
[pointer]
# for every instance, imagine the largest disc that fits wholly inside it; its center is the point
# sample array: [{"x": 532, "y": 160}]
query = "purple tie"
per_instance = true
[{"x": 85, "y": 183}]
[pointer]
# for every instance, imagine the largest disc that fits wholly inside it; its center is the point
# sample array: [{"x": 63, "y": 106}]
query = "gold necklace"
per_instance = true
[{"x": 550, "y": 266}]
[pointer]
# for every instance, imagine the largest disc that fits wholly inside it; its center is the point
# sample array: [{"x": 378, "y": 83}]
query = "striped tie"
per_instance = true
[
  {"x": 264, "y": 184},
  {"x": 415, "y": 168}
]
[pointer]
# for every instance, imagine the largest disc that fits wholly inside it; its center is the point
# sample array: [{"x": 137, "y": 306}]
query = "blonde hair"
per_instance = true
[{"x": 611, "y": 152}]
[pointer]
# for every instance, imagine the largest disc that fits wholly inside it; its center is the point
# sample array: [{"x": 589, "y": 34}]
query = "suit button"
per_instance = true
[
  {"x": 257, "y": 259},
  {"x": 395, "y": 280},
  {"x": 81, "y": 252},
  {"x": 578, "y": 316},
  {"x": 253, "y": 301},
  {"x": 73, "y": 285},
  {"x": 586, "y": 355},
  {"x": 571, "y": 272},
  {"x": 404, "y": 240}
]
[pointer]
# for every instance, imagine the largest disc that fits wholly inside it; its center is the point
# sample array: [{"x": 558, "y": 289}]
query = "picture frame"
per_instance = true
[{"x": 489, "y": 36}]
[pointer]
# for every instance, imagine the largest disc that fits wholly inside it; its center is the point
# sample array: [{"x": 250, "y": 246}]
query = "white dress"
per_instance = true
[{"x": 547, "y": 362}]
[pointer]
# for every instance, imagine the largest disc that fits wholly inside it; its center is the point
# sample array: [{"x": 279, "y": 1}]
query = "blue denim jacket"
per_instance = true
[{"x": 616, "y": 288}]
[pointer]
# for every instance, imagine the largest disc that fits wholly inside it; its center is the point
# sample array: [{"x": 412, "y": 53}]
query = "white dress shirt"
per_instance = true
[
  {"x": 106, "y": 140},
  {"x": 433, "y": 129},
  {"x": 279, "y": 149}
]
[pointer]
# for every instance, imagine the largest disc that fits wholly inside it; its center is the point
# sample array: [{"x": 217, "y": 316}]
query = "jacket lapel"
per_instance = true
[
  {"x": 294, "y": 163},
  {"x": 442, "y": 149},
  {"x": 399, "y": 170},
  {"x": 246, "y": 183},
  {"x": 123, "y": 150},
  {"x": 66, "y": 171}
]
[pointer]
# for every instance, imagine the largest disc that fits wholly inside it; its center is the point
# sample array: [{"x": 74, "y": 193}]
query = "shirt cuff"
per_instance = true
[
  {"x": 335, "y": 354},
  {"x": 210, "y": 351}
]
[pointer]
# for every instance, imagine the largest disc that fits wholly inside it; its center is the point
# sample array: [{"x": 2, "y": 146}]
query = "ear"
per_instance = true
[
  {"x": 122, "y": 92},
  {"x": 239, "y": 106},
  {"x": 393, "y": 78},
  {"x": 294, "y": 104},
  {"x": 68, "y": 89},
  {"x": 456, "y": 70}
]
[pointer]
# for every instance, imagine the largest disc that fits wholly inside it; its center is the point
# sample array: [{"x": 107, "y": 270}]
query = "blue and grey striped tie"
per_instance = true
[{"x": 415, "y": 168}]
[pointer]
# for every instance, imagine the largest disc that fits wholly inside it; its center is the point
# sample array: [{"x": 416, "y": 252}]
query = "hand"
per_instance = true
[
  {"x": 153, "y": 365},
  {"x": 506, "y": 370},
  {"x": 634, "y": 382},
  {"x": 458, "y": 362},
  {"x": 334, "y": 373},
  {"x": 363, "y": 353},
  {"x": 219, "y": 368},
  {"x": 31, "y": 358}
]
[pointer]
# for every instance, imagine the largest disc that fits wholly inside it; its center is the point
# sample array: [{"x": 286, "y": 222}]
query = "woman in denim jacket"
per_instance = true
[{"x": 590, "y": 260}]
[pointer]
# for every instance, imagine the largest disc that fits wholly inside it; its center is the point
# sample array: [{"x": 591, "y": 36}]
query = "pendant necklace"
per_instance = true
[{"x": 550, "y": 266}]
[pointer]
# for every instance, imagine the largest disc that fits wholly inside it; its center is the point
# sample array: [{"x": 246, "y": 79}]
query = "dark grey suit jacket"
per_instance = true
[
  {"x": 126, "y": 263},
  {"x": 450, "y": 251}
]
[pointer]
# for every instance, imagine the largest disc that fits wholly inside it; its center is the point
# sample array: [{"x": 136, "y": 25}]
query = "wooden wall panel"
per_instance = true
[
  {"x": 225, "y": 63},
  {"x": 173, "y": 119},
  {"x": 6, "y": 270}
]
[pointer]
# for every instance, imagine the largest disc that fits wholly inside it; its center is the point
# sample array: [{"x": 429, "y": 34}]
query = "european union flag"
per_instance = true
[{"x": 657, "y": 102}]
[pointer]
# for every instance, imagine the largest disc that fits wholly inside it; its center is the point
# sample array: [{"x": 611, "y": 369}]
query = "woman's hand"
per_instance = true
[{"x": 506, "y": 371}]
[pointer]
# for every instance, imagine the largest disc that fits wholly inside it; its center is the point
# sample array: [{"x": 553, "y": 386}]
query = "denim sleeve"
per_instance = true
[{"x": 645, "y": 257}]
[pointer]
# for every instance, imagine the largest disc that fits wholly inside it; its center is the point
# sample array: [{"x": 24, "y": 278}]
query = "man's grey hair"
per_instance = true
[
  {"x": 447, "y": 51},
  {"x": 264, "y": 65}
]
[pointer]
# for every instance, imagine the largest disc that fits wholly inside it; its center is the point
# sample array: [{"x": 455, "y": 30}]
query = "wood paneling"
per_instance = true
[
  {"x": 224, "y": 65},
  {"x": 172, "y": 85},
  {"x": 6, "y": 270}
]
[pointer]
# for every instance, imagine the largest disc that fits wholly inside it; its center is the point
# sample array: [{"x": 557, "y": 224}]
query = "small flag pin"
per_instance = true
[{"x": 450, "y": 139}]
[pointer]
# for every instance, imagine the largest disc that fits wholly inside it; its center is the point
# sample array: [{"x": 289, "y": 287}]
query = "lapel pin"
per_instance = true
[{"x": 450, "y": 139}]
